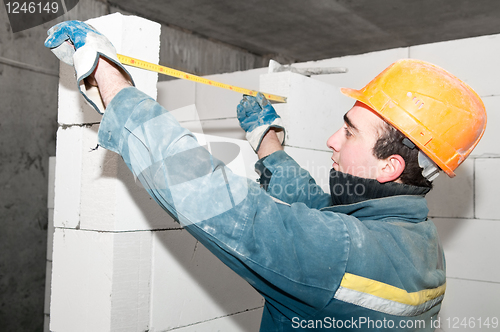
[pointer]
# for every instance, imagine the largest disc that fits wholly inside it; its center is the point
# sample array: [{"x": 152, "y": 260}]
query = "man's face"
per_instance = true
[{"x": 352, "y": 145}]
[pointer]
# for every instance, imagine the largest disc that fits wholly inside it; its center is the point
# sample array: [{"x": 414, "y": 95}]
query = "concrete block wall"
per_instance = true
[
  {"x": 100, "y": 274},
  {"x": 465, "y": 209}
]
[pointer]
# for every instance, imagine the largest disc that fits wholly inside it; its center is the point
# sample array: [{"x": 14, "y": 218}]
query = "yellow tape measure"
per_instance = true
[{"x": 126, "y": 60}]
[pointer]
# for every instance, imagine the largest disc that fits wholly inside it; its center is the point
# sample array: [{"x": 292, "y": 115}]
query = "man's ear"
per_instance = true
[{"x": 391, "y": 168}]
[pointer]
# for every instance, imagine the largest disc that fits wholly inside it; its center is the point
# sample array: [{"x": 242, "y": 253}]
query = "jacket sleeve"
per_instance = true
[
  {"x": 285, "y": 180},
  {"x": 266, "y": 243}
]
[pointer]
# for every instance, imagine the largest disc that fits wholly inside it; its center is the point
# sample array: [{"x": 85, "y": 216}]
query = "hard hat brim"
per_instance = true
[{"x": 355, "y": 94}]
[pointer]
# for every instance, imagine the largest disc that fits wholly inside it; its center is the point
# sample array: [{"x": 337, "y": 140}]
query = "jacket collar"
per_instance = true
[
  {"x": 403, "y": 208},
  {"x": 369, "y": 199},
  {"x": 349, "y": 189}
]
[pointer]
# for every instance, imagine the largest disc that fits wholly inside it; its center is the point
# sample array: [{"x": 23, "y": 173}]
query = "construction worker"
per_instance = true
[{"x": 366, "y": 258}]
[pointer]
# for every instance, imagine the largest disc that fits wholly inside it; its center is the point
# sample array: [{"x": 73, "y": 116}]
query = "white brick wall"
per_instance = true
[
  {"x": 310, "y": 104},
  {"x": 465, "y": 208},
  {"x": 101, "y": 275},
  {"x": 454, "y": 197},
  {"x": 195, "y": 287},
  {"x": 468, "y": 301},
  {"x": 100, "y": 281},
  {"x": 156, "y": 276},
  {"x": 487, "y": 191}
]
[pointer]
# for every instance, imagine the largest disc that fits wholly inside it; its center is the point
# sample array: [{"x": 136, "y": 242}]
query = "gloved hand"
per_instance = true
[
  {"x": 80, "y": 45},
  {"x": 257, "y": 116}
]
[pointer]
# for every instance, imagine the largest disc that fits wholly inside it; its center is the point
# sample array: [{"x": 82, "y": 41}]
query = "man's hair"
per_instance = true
[{"x": 390, "y": 142}]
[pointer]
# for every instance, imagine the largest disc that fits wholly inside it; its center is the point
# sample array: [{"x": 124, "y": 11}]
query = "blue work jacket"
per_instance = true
[{"x": 373, "y": 265}]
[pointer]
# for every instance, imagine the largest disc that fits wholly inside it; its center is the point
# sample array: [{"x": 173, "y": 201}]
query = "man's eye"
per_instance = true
[{"x": 347, "y": 132}]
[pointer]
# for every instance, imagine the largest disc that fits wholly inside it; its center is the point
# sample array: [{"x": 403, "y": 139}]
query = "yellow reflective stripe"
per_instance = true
[
  {"x": 373, "y": 302},
  {"x": 388, "y": 292}
]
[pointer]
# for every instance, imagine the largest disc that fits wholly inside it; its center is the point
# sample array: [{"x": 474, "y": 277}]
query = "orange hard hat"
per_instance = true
[{"x": 439, "y": 113}]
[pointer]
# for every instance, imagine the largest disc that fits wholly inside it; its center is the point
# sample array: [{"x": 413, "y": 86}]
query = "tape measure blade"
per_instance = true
[{"x": 126, "y": 60}]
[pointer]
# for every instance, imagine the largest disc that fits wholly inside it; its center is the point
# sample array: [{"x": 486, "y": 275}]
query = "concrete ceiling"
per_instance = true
[{"x": 303, "y": 30}]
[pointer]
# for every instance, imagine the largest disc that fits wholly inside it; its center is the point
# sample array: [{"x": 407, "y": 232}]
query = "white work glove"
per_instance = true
[
  {"x": 80, "y": 45},
  {"x": 256, "y": 116}
]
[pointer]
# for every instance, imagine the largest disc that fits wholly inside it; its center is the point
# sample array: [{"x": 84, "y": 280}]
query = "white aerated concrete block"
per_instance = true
[
  {"x": 189, "y": 118},
  {"x": 131, "y": 287},
  {"x": 276, "y": 83},
  {"x": 96, "y": 191},
  {"x": 68, "y": 177},
  {"x": 487, "y": 189},
  {"x": 132, "y": 36},
  {"x": 111, "y": 197},
  {"x": 470, "y": 305},
  {"x": 488, "y": 146},
  {"x": 101, "y": 281},
  {"x": 361, "y": 68},
  {"x": 177, "y": 94},
  {"x": 218, "y": 103},
  {"x": 215, "y": 107},
  {"x": 201, "y": 286},
  {"x": 453, "y": 197},
  {"x": 473, "y": 60},
  {"x": 212, "y": 102},
  {"x": 470, "y": 246},
  {"x": 313, "y": 111}
]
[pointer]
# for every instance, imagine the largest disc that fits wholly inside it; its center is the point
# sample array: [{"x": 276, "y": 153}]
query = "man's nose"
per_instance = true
[{"x": 335, "y": 141}]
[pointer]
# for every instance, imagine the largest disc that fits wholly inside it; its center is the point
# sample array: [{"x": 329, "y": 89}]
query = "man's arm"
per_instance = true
[
  {"x": 280, "y": 175},
  {"x": 270, "y": 144},
  {"x": 230, "y": 215}
]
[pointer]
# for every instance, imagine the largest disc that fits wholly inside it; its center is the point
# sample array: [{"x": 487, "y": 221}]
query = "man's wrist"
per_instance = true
[
  {"x": 270, "y": 143},
  {"x": 110, "y": 79}
]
